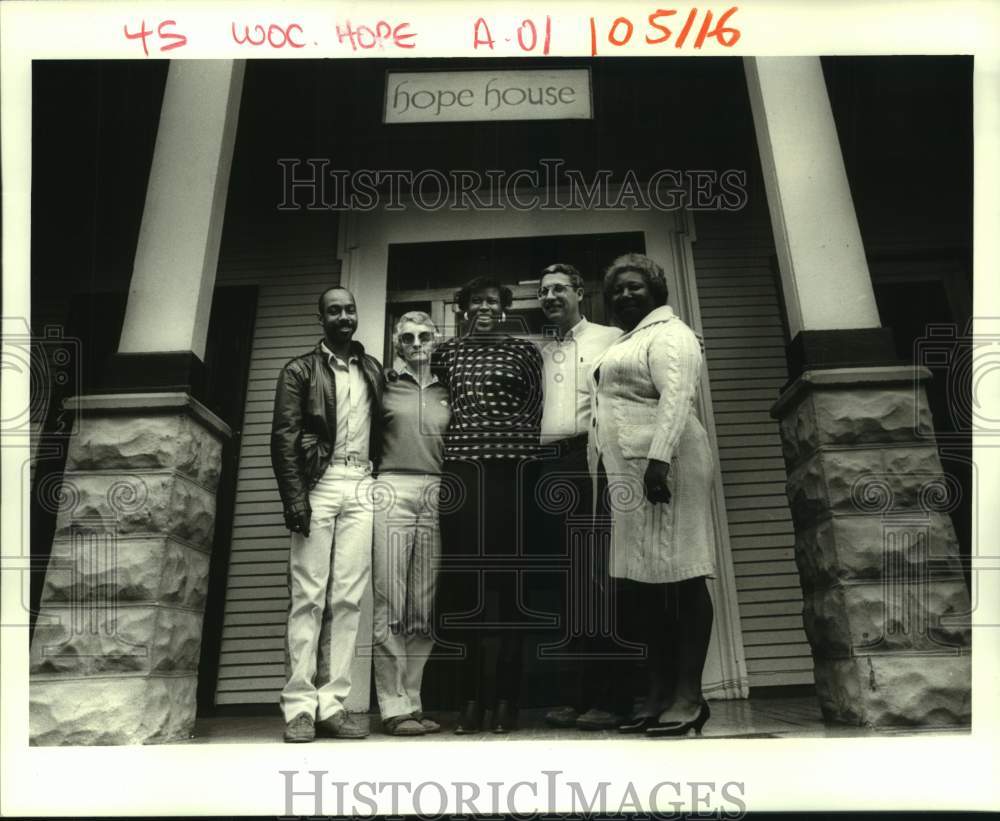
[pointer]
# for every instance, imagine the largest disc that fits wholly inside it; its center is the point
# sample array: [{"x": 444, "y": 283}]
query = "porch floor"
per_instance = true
[{"x": 791, "y": 717}]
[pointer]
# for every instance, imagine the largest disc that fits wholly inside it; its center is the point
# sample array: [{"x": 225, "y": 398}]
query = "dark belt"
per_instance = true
[{"x": 573, "y": 444}]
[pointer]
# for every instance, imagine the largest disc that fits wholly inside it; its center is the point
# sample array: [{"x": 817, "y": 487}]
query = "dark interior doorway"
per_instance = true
[{"x": 929, "y": 317}]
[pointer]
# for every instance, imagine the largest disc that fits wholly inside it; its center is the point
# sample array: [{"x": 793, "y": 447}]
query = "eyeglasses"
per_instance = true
[
  {"x": 423, "y": 336},
  {"x": 556, "y": 290}
]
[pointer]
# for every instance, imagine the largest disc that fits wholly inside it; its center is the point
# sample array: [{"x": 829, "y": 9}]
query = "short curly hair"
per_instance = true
[
  {"x": 651, "y": 272},
  {"x": 464, "y": 294}
]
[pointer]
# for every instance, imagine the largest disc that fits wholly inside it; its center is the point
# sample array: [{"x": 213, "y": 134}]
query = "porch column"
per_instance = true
[
  {"x": 885, "y": 602},
  {"x": 114, "y": 657}
]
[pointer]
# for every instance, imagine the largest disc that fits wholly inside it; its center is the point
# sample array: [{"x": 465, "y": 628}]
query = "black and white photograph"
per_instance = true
[{"x": 398, "y": 393}]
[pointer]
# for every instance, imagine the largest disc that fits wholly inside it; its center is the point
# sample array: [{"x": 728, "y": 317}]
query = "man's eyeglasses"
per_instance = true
[
  {"x": 423, "y": 336},
  {"x": 556, "y": 290}
]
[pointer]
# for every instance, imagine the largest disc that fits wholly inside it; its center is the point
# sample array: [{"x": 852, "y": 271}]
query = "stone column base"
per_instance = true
[
  {"x": 114, "y": 658},
  {"x": 885, "y": 605},
  {"x": 896, "y": 689},
  {"x": 113, "y": 710}
]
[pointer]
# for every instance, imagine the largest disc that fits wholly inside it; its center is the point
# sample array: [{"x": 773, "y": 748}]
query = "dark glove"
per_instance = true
[
  {"x": 655, "y": 481},
  {"x": 297, "y": 518}
]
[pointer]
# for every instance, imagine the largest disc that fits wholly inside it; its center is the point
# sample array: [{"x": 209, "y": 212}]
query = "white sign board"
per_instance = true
[{"x": 462, "y": 96}]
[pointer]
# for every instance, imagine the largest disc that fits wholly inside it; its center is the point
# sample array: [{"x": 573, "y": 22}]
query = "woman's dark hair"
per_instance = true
[
  {"x": 464, "y": 294},
  {"x": 650, "y": 271}
]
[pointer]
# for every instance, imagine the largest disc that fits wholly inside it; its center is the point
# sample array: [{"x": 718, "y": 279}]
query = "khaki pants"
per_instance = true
[
  {"x": 328, "y": 572},
  {"x": 405, "y": 558}
]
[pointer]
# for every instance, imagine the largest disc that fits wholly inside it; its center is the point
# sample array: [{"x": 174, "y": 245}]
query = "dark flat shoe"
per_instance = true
[
  {"x": 504, "y": 717},
  {"x": 471, "y": 719},
  {"x": 637, "y": 724},
  {"x": 562, "y": 717},
  {"x": 680, "y": 728}
]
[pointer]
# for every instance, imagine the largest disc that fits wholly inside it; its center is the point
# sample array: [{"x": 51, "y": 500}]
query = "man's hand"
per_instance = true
[
  {"x": 655, "y": 481},
  {"x": 297, "y": 518}
]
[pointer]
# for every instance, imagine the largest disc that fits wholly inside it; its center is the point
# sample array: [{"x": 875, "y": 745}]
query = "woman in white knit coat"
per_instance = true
[{"x": 659, "y": 467}]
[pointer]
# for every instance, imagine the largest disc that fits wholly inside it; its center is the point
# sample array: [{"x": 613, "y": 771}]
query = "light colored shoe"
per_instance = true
[
  {"x": 342, "y": 725},
  {"x": 300, "y": 729},
  {"x": 402, "y": 725},
  {"x": 564, "y": 717},
  {"x": 595, "y": 719}
]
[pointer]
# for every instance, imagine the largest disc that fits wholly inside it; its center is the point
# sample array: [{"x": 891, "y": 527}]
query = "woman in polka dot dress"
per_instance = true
[{"x": 494, "y": 382}]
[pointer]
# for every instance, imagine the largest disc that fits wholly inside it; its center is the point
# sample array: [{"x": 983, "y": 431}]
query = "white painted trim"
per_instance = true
[
  {"x": 731, "y": 654},
  {"x": 141, "y": 404},
  {"x": 363, "y": 246}
]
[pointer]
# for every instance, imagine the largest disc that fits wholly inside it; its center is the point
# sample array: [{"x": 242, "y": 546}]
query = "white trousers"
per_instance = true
[
  {"x": 328, "y": 572},
  {"x": 405, "y": 560}
]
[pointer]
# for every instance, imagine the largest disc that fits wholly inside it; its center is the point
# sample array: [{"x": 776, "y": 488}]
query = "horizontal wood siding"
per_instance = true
[{"x": 745, "y": 348}]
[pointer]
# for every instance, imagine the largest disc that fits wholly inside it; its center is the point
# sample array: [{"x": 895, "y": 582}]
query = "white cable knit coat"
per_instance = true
[{"x": 642, "y": 397}]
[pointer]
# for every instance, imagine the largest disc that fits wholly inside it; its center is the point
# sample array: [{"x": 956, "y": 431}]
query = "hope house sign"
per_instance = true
[{"x": 456, "y": 96}]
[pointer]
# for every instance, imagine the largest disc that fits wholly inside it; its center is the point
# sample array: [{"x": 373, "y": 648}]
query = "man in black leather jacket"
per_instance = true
[{"x": 325, "y": 440}]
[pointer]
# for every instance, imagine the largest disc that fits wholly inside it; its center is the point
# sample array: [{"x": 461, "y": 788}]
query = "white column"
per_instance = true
[
  {"x": 824, "y": 273},
  {"x": 170, "y": 295}
]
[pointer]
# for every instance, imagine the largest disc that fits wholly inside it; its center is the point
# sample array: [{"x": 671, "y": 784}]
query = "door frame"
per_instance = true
[{"x": 363, "y": 244}]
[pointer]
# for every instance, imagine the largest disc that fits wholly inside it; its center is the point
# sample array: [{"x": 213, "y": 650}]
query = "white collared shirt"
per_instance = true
[
  {"x": 565, "y": 366},
  {"x": 354, "y": 415}
]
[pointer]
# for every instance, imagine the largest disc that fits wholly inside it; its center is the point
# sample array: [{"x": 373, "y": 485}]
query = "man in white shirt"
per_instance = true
[{"x": 588, "y": 630}]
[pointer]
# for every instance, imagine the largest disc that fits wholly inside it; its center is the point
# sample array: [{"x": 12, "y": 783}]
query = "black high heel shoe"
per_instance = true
[
  {"x": 504, "y": 717},
  {"x": 679, "y": 728},
  {"x": 637, "y": 724},
  {"x": 470, "y": 720}
]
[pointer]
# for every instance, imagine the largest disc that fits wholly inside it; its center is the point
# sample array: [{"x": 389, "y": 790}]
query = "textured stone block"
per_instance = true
[
  {"x": 99, "y": 637},
  {"x": 156, "y": 441},
  {"x": 851, "y": 415},
  {"x": 806, "y": 487},
  {"x": 866, "y": 415},
  {"x": 139, "y": 503},
  {"x": 116, "y": 710},
  {"x": 842, "y": 472},
  {"x": 896, "y": 689},
  {"x": 911, "y": 472},
  {"x": 866, "y": 480},
  {"x": 798, "y": 433},
  {"x": 889, "y": 615},
  {"x": 848, "y": 548},
  {"x": 106, "y": 568}
]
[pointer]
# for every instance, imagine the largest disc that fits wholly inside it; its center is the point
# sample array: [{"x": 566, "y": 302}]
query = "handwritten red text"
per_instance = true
[
  {"x": 620, "y": 31},
  {"x": 380, "y": 35},
  {"x": 163, "y": 32},
  {"x": 273, "y": 35},
  {"x": 526, "y": 35}
]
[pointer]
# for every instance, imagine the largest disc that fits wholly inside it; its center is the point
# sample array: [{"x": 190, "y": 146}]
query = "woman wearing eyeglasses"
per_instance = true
[
  {"x": 494, "y": 382},
  {"x": 407, "y": 540}
]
